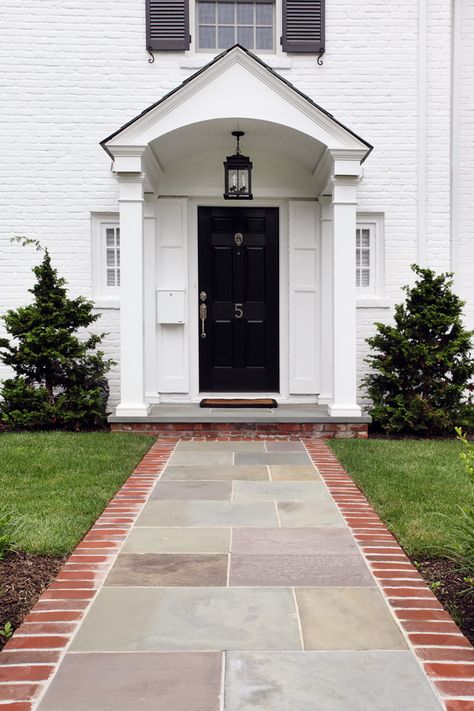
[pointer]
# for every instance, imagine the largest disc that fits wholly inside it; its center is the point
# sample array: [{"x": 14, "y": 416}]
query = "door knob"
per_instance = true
[{"x": 203, "y": 296}]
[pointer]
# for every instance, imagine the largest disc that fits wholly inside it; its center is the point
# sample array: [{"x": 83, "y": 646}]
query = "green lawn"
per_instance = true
[
  {"x": 409, "y": 483},
  {"x": 58, "y": 483}
]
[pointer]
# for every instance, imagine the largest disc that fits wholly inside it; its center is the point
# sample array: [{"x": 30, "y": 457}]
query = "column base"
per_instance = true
[
  {"x": 132, "y": 410},
  {"x": 336, "y": 410}
]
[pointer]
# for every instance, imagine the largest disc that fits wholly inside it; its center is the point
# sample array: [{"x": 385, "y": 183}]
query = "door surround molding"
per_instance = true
[{"x": 193, "y": 296}]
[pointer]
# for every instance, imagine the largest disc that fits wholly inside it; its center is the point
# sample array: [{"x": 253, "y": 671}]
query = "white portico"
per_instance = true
[{"x": 307, "y": 166}]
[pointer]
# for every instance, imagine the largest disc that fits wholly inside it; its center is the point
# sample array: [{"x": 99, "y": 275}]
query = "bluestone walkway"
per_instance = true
[{"x": 240, "y": 588}]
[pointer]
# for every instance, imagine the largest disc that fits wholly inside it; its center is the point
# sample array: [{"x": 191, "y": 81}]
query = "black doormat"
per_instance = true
[{"x": 239, "y": 402}]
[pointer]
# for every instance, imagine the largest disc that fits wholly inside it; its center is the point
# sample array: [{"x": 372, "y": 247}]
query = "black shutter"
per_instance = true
[
  {"x": 167, "y": 24},
  {"x": 303, "y": 26}
]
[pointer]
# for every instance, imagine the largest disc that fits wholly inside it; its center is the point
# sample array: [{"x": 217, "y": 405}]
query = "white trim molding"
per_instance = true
[
  {"x": 105, "y": 297},
  {"x": 374, "y": 223}
]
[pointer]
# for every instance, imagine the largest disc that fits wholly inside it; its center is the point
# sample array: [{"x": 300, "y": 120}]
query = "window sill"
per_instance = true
[
  {"x": 107, "y": 303},
  {"x": 372, "y": 302},
  {"x": 198, "y": 60}
]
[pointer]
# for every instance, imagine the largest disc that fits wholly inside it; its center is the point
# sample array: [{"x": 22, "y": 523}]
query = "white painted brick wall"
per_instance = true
[
  {"x": 466, "y": 162},
  {"x": 73, "y": 71}
]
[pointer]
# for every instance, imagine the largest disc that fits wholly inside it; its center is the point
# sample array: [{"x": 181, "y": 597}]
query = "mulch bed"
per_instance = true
[
  {"x": 23, "y": 577},
  {"x": 448, "y": 584}
]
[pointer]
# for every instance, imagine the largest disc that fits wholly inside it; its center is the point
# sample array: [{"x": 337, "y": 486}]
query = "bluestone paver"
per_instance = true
[
  {"x": 327, "y": 681},
  {"x": 155, "y": 539},
  {"x": 146, "y": 682},
  {"x": 159, "y": 569}
]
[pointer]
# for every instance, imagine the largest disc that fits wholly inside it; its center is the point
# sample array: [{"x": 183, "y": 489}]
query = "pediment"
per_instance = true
[{"x": 236, "y": 85}]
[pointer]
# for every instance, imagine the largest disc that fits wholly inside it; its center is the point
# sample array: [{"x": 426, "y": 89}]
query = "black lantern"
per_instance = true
[{"x": 238, "y": 174}]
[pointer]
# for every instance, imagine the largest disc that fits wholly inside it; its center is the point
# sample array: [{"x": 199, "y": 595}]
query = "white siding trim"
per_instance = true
[
  {"x": 103, "y": 295},
  {"x": 375, "y": 290}
]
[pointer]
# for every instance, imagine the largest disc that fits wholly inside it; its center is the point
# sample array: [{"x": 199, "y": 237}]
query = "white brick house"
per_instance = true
[{"x": 333, "y": 226}]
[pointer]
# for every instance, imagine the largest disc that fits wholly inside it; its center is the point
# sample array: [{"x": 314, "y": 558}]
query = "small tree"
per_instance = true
[
  {"x": 59, "y": 379},
  {"x": 422, "y": 366}
]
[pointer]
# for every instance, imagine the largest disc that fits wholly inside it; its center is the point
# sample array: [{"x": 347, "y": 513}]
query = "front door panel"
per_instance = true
[{"x": 239, "y": 287}]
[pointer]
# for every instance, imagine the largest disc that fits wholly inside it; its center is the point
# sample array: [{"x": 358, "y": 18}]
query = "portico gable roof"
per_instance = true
[{"x": 236, "y": 84}]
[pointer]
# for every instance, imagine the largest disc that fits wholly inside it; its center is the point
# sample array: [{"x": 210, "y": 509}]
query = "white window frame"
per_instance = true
[
  {"x": 372, "y": 295},
  {"x": 202, "y": 55},
  {"x": 104, "y": 296},
  {"x": 217, "y": 50}
]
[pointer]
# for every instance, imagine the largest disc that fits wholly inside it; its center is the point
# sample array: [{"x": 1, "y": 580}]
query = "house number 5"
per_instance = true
[{"x": 238, "y": 310}]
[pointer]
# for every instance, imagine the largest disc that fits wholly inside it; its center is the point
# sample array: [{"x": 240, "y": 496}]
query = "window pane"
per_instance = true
[
  {"x": 245, "y": 37},
  {"x": 264, "y": 13},
  {"x": 117, "y": 235},
  {"x": 245, "y": 13},
  {"x": 207, "y": 13},
  {"x": 111, "y": 257},
  {"x": 225, "y": 37},
  {"x": 110, "y": 277},
  {"x": 207, "y": 37},
  {"x": 264, "y": 39},
  {"x": 365, "y": 258},
  {"x": 365, "y": 277},
  {"x": 226, "y": 13},
  {"x": 110, "y": 236}
]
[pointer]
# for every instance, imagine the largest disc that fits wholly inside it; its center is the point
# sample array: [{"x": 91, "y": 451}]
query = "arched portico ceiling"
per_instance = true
[{"x": 236, "y": 85}]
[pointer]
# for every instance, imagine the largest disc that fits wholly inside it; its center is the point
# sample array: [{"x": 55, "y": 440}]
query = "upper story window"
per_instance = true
[{"x": 222, "y": 24}]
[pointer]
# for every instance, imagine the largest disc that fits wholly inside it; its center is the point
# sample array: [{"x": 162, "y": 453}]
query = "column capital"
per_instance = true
[
  {"x": 344, "y": 190},
  {"x": 131, "y": 187},
  {"x": 128, "y": 159}
]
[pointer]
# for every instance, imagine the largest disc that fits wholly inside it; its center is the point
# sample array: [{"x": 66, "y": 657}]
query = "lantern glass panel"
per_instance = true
[{"x": 233, "y": 180}]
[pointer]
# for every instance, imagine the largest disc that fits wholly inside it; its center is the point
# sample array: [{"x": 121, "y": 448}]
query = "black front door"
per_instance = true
[{"x": 239, "y": 294}]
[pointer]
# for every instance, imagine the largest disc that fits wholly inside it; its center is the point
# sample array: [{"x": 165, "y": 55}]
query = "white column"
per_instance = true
[
  {"x": 132, "y": 364},
  {"x": 344, "y": 202},
  {"x": 326, "y": 317}
]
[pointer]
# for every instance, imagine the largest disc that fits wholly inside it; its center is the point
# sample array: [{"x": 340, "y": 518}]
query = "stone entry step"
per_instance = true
[{"x": 240, "y": 588}]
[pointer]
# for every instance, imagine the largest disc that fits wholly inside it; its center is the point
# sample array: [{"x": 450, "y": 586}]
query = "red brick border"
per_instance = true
[
  {"x": 30, "y": 659},
  {"x": 444, "y": 653},
  {"x": 246, "y": 430}
]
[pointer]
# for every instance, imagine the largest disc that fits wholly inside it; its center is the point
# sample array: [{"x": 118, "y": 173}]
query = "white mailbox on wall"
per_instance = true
[{"x": 170, "y": 305}]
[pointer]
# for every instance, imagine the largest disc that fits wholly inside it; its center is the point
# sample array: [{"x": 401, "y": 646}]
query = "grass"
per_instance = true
[
  {"x": 58, "y": 483},
  {"x": 410, "y": 483}
]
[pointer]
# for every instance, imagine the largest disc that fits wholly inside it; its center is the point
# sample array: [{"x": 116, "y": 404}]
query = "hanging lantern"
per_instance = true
[{"x": 238, "y": 174}]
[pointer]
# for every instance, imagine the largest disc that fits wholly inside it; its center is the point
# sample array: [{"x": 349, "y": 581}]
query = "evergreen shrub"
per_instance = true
[
  {"x": 60, "y": 379},
  {"x": 421, "y": 367}
]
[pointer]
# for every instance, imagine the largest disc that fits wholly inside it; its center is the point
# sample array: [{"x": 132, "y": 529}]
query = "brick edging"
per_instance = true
[
  {"x": 445, "y": 654},
  {"x": 30, "y": 659}
]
